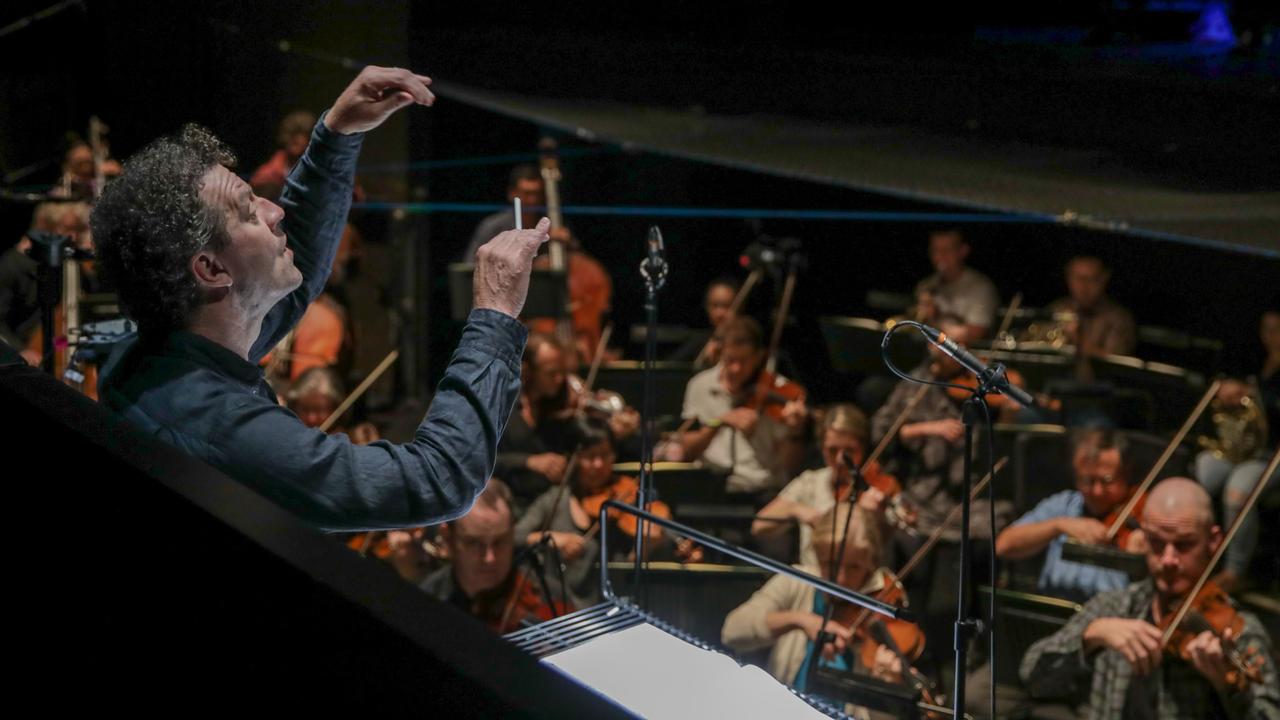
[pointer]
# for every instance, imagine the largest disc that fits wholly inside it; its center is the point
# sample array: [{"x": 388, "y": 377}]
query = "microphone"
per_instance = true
[
  {"x": 993, "y": 375},
  {"x": 654, "y": 267}
]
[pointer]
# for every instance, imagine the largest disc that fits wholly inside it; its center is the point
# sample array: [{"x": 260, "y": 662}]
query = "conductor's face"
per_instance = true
[{"x": 257, "y": 264}]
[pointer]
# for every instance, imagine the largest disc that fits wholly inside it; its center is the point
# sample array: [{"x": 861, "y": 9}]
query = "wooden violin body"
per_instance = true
[{"x": 1211, "y": 610}]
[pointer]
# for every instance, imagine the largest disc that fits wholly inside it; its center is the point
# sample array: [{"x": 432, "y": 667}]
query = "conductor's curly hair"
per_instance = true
[{"x": 150, "y": 221}]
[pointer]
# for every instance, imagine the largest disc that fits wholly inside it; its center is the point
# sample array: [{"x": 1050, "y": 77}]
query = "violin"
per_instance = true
[
  {"x": 968, "y": 383},
  {"x": 623, "y": 489},
  {"x": 770, "y": 393},
  {"x": 1211, "y": 610},
  {"x": 514, "y": 604},
  {"x": 907, "y": 638}
]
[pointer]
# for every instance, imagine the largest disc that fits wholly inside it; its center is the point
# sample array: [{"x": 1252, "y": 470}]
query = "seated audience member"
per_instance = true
[
  {"x": 1101, "y": 326},
  {"x": 813, "y": 492},
  {"x": 483, "y": 579},
  {"x": 1108, "y": 658}
]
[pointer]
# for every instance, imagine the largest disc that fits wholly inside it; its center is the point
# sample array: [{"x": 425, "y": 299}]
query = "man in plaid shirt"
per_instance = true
[{"x": 1113, "y": 644}]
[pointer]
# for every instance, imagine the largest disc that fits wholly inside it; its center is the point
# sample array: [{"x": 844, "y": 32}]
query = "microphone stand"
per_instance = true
[
  {"x": 654, "y": 271},
  {"x": 990, "y": 379}
]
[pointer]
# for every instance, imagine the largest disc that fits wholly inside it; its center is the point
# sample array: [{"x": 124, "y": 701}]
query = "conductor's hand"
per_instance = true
[
  {"x": 502, "y": 269},
  {"x": 373, "y": 96}
]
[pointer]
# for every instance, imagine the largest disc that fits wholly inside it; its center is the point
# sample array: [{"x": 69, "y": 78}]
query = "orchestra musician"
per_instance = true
[
  {"x": 215, "y": 276},
  {"x": 718, "y": 303},
  {"x": 1103, "y": 474},
  {"x": 737, "y": 435},
  {"x": 786, "y": 615},
  {"x": 1109, "y": 657},
  {"x": 1247, "y": 420},
  {"x": 483, "y": 579},
  {"x": 954, "y": 288},
  {"x": 589, "y": 285},
  {"x": 1101, "y": 326},
  {"x": 534, "y": 451},
  {"x": 927, "y": 457},
  {"x": 567, "y": 518},
  {"x": 844, "y": 434}
]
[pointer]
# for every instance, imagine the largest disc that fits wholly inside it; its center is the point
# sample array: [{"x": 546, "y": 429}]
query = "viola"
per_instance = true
[{"x": 1127, "y": 524}]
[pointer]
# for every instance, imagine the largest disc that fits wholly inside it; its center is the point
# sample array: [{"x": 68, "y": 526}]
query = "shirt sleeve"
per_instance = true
[
  {"x": 338, "y": 485},
  {"x": 1054, "y": 506},
  {"x": 1056, "y": 666},
  {"x": 316, "y": 200},
  {"x": 745, "y": 628},
  {"x": 1261, "y": 700}
]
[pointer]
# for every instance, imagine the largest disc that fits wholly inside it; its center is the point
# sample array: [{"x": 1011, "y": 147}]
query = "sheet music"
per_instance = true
[{"x": 657, "y": 675}]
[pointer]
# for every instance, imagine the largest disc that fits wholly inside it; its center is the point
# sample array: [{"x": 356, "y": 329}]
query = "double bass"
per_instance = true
[{"x": 588, "y": 289}]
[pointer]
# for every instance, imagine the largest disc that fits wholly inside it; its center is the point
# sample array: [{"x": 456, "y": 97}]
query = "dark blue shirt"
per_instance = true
[{"x": 206, "y": 400}]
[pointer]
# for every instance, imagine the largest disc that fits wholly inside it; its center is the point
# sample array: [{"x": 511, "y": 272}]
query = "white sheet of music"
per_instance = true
[{"x": 657, "y": 675}]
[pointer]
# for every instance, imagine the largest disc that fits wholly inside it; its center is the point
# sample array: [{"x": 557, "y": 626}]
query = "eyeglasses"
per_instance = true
[{"x": 1106, "y": 481}]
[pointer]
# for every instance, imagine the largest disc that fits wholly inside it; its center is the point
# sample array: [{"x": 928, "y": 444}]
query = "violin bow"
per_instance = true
[
  {"x": 734, "y": 308},
  {"x": 1164, "y": 459},
  {"x": 360, "y": 390}
]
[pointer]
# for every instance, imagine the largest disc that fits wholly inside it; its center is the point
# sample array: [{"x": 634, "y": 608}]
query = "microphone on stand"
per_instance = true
[
  {"x": 993, "y": 374},
  {"x": 654, "y": 267}
]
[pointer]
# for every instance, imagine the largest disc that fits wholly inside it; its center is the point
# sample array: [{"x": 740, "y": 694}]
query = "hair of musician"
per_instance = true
[
  {"x": 496, "y": 492},
  {"x": 1102, "y": 265},
  {"x": 535, "y": 343},
  {"x": 151, "y": 220},
  {"x": 846, "y": 418},
  {"x": 1092, "y": 442},
  {"x": 863, "y": 529},
  {"x": 741, "y": 331},
  {"x": 298, "y": 122},
  {"x": 521, "y": 173},
  {"x": 728, "y": 281},
  {"x": 590, "y": 431},
  {"x": 323, "y": 380},
  {"x": 950, "y": 231}
]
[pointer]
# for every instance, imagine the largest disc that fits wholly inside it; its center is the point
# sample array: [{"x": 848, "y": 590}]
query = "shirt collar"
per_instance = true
[{"x": 187, "y": 345}]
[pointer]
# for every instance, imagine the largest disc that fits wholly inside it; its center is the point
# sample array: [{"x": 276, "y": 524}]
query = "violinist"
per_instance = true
[
  {"x": 534, "y": 451},
  {"x": 568, "y": 520},
  {"x": 1109, "y": 657},
  {"x": 758, "y": 440},
  {"x": 786, "y": 615},
  {"x": 483, "y": 579},
  {"x": 812, "y": 493},
  {"x": 928, "y": 454},
  {"x": 718, "y": 304},
  {"x": 1101, "y": 465},
  {"x": 927, "y": 457}
]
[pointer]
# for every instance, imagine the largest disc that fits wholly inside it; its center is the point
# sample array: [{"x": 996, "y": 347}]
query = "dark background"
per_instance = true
[{"x": 1082, "y": 75}]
